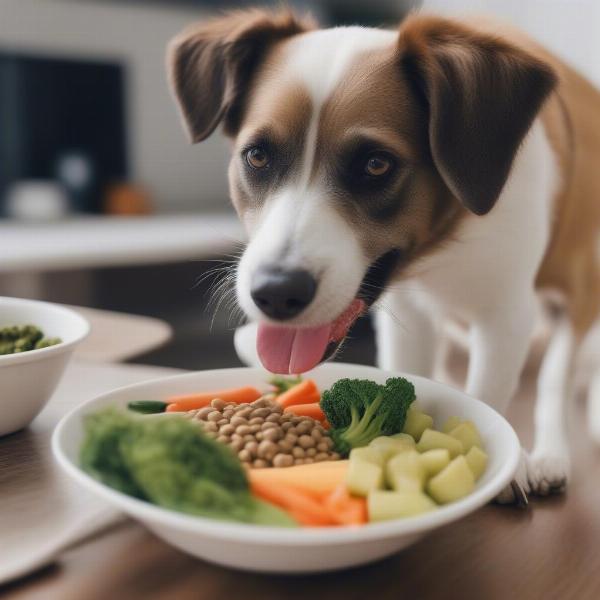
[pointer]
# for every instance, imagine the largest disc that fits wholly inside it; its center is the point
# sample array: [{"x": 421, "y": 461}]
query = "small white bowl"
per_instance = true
[
  {"x": 27, "y": 379},
  {"x": 271, "y": 549}
]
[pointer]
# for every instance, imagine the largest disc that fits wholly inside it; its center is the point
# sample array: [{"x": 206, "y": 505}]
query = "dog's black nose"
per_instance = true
[{"x": 282, "y": 294}]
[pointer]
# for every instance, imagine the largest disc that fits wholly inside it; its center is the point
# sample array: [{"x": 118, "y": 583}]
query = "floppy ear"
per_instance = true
[
  {"x": 481, "y": 95},
  {"x": 211, "y": 63}
]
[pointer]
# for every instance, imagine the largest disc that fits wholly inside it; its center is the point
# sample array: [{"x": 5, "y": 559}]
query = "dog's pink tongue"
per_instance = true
[{"x": 291, "y": 350}]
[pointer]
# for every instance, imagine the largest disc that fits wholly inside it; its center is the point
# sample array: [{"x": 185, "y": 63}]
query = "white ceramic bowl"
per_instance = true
[
  {"x": 28, "y": 379},
  {"x": 270, "y": 549}
]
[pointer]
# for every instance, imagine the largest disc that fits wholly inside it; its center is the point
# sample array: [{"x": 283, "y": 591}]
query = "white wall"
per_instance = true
[
  {"x": 180, "y": 176},
  {"x": 571, "y": 28}
]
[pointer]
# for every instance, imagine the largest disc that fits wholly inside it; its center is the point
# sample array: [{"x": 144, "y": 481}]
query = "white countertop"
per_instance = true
[{"x": 101, "y": 241}]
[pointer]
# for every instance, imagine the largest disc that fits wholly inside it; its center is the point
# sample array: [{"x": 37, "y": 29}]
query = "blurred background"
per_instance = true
[{"x": 103, "y": 202}]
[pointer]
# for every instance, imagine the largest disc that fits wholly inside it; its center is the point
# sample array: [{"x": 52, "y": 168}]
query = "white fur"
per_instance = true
[{"x": 297, "y": 227}]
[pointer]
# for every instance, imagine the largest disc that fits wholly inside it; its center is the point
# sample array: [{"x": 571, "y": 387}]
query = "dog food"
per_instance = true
[{"x": 263, "y": 434}]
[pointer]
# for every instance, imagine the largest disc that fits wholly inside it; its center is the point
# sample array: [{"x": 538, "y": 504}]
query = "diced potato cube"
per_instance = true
[
  {"x": 477, "y": 460},
  {"x": 363, "y": 476},
  {"x": 450, "y": 424},
  {"x": 434, "y": 461},
  {"x": 371, "y": 455},
  {"x": 405, "y": 472},
  {"x": 452, "y": 483},
  {"x": 390, "y": 446},
  {"x": 431, "y": 439},
  {"x": 468, "y": 435},
  {"x": 386, "y": 505},
  {"x": 405, "y": 437},
  {"x": 416, "y": 423}
]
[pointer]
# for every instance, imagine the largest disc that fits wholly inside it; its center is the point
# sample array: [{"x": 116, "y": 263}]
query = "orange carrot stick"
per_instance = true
[
  {"x": 202, "y": 399},
  {"x": 345, "y": 509},
  {"x": 307, "y": 410},
  {"x": 305, "y": 392},
  {"x": 306, "y": 510}
]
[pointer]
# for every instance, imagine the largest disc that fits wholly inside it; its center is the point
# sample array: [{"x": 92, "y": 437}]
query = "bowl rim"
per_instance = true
[
  {"x": 154, "y": 515},
  {"x": 42, "y": 353}
]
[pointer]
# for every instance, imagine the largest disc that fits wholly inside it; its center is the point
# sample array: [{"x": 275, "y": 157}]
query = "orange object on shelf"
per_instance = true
[{"x": 126, "y": 199}]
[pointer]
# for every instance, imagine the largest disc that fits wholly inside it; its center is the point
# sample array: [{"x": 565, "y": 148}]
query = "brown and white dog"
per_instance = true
[{"x": 452, "y": 168}]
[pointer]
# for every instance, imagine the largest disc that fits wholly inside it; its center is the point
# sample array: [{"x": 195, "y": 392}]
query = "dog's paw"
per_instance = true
[
  {"x": 538, "y": 474},
  {"x": 548, "y": 473},
  {"x": 518, "y": 489}
]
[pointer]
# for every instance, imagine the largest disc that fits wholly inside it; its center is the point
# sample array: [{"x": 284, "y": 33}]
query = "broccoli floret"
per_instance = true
[{"x": 360, "y": 410}]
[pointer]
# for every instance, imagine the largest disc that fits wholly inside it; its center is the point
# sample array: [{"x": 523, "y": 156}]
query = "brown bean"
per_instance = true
[
  {"x": 218, "y": 403},
  {"x": 312, "y": 452},
  {"x": 224, "y": 439},
  {"x": 214, "y": 415},
  {"x": 258, "y": 436},
  {"x": 292, "y": 430},
  {"x": 321, "y": 456},
  {"x": 297, "y": 452},
  {"x": 305, "y": 441},
  {"x": 292, "y": 438},
  {"x": 242, "y": 430},
  {"x": 204, "y": 412},
  {"x": 260, "y": 403},
  {"x": 267, "y": 449},
  {"x": 298, "y": 461},
  {"x": 244, "y": 455},
  {"x": 254, "y": 428},
  {"x": 227, "y": 429},
  {"x": 261, "y": 412},
  {"x": 304, "y": 427},
  {"x": 245, "y": 412},
  {"x": 316, "y": 434},
  {"x": 211, "y": 426},
  {"x": 334, "y": 456},
  {"x": 256, "y": 421},
  {"x": 236, "y": 445},
  {"x": 286, "y": 426},
  {"x": 285, "y": 446},
  {"x": 276, "y": 408},
  {"x": 228, "y": 413},
  {"x": 322, "y": 446},
  {"x": 283, "y": 460},
  {"x": 260, "y": 463},
  {"x": 308, "y": 461},
  {"x": 237, "y": 420},
  {"x": 222, "y": 422},
  {"x": 252, "y": 447},
  {"x": 273, "y": 418},
  {"x": 249, "y": 438},
  {"x": 272, "y": 434}
]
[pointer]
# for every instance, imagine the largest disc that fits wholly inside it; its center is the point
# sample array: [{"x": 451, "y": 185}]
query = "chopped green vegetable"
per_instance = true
[
  {"x": 22, "y": 338},
  {"x": 172, "y": 463},
  {"x": 360, "y": 410},
  {"x": 147, "y": 407},
  {"x": 283, "y": 384}
]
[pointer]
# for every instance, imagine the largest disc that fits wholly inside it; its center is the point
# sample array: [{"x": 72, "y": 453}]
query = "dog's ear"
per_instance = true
[
  {"x": 210, "y": 64},
  {"x": 480, "y": 94}
]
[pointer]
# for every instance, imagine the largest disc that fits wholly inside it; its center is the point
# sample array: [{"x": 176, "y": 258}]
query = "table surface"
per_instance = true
[
  {"x": 548, "y": 551},
  {"x": 115, "y": 241}
]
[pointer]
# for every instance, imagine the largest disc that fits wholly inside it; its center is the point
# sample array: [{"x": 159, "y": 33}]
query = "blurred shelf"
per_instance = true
[{"x": 91, "y": 242}]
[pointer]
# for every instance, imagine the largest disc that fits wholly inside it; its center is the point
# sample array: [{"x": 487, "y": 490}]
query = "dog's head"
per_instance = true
[{"x": 355, "y": 152}]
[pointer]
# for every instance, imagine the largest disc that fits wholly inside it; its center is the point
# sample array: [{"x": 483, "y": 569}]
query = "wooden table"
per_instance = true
[{"x": 551, "y": 550}]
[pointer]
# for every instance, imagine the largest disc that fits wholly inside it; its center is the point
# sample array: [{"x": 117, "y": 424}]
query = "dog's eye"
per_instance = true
[
  {"x": 378, "y": 165},
  {"x": 257, "y": 157}
]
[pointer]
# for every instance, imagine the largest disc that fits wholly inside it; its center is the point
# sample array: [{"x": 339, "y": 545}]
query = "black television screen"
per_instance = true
[{"x": 51, "y": 108}]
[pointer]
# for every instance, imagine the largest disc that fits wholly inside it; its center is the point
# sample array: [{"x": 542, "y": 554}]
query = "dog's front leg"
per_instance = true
[
  {"x": 499, "y": 344},
  {"x": 405, "y": 333}
]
